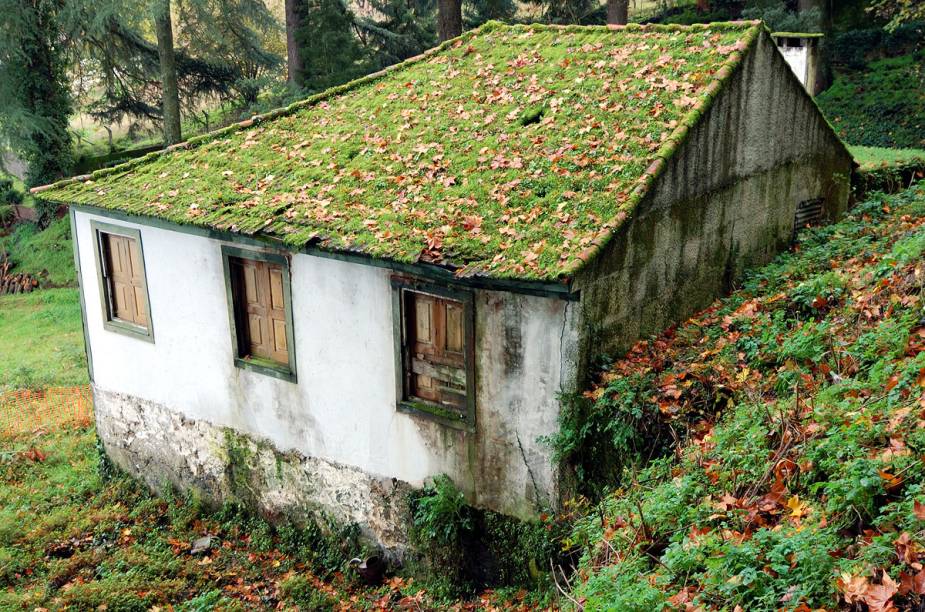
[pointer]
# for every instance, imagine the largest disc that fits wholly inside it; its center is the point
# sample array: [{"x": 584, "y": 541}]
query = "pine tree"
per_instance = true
[
  {"x": 330, "y": 50},
  {"x": 477, "y": 12},
  {"x": 398, "y": 30},
  {"x": 35, "y": 101}
]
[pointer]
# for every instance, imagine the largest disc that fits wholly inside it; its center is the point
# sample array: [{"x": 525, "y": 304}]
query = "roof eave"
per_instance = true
[{"x": 561, "y": 288}]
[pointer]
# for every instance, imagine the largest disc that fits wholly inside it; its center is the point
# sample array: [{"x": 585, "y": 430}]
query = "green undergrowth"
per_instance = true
[
  {"x": 768, "y": 453},
  {"x": 499, "y": 153},
  {"x": 41, "y": 340},
  {"x": 46, "y": 254},
  {"x": 75, "y": 533},
  {"x": 881, "y": 103},
  {"x": 873, "y": 158},
  {"x": 460, "y": 550},
  {"x": 887, "y": 170}
]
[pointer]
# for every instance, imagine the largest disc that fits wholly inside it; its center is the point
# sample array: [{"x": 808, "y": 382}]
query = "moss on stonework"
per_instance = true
[
  {"x": 513, "y": 151},
  {"x": 242, "y": 453}
]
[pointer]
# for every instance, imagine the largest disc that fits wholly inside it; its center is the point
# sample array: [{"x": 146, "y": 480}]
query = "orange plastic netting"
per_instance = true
[{"x": 25, "y": 410}]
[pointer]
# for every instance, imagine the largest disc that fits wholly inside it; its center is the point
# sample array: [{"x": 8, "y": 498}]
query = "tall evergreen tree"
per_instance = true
[
  {"x": 239, "y": 36},
  {"x": 330, "y": 50},
  {"x": 396, "y": 30},
  {"x": 35, "y": 101},
  {"x": 219, "y": 52},
  {"x": 477, "y": 12},
  {"x": 570, "y": 11}
]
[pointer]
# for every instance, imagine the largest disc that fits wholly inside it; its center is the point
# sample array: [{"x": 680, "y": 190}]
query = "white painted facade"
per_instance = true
[
  {"x": 801, "y": 52},
  {"x": 797, "y": 60},
  {"x": 342, "y": 409}
]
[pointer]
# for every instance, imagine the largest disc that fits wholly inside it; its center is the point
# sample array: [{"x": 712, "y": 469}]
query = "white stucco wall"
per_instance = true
[
  {"x": 342, "y": 408},
  {"x": 796, "y": 58}
]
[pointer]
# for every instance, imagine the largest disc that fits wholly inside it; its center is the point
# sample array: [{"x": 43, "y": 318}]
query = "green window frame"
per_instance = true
[
  {"x": 110, "y": 321},
  {"x": 408, "y": 403},
  {"x": 267, "y": 367}
]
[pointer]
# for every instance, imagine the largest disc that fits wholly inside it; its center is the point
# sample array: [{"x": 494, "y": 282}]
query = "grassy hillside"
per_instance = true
[
  {"x": 47, "y": 254},
  {"x": 881, "y": 103},
  {"x": 769, "y": 452},
  {"x": 873, "y": 158},
  {"x": 41, "y": 340}
]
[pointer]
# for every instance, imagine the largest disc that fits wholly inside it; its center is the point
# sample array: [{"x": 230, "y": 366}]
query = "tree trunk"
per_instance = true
[
  {"x": 618, "y": 12},
  {"x": 295, "y": 67},
  {"x": 449, "y": 19},
  {"x": 170, "y": 105}
]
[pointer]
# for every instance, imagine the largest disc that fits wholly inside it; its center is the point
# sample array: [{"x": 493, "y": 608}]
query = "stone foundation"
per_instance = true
[{"x": 160, "y": 446}]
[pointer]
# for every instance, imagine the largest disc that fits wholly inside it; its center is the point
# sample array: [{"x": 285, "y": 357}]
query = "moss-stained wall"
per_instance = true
[{"x": 725, "y": 200}]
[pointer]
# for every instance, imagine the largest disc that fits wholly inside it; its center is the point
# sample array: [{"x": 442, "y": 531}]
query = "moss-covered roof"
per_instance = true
[{"x": 513, "y": 151}]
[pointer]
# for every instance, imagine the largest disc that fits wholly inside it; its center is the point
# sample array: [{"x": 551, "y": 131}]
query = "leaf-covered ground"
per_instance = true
[
  {"x": 506, "y": 153},
  {"x": 70, "y": 539},
  {"x": 800, "y": 482}
]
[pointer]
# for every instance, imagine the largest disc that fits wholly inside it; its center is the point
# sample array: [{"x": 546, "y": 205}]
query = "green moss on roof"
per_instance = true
[
  {"x": 797, "y": 34},
  {"x": 513, "y": 151}
]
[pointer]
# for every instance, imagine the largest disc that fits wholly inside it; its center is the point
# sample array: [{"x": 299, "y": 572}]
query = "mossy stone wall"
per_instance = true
[{"x": 726, "y": 200}]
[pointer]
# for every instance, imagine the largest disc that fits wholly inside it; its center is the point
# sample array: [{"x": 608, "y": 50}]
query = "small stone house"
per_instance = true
[{"x": 324, "y": 306}]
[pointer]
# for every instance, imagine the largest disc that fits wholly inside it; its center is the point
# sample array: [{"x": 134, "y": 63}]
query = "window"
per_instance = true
[
  {"x": 436, "y": 353},
  {"x": 260, "y": 311},
  {"x": 121, "y": 271}
]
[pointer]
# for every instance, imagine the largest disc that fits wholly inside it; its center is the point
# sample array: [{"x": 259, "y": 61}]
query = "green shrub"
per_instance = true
[
  {"x": 464, "y": 549},
  {"x": 8, "y": 192},
  {"x": 440, "y": 514},
  {"x": 299, "y": 591}
]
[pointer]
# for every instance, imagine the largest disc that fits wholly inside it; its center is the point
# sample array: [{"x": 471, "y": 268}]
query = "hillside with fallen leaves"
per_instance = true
[
  {"x": 507, "y": 152},
  {"x": 774, "y": 444}
]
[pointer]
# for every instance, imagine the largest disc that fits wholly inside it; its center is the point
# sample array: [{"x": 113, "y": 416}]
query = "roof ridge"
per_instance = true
[
  {"x": 337, "y": 90},
  {"x": 671, "y": 145}
]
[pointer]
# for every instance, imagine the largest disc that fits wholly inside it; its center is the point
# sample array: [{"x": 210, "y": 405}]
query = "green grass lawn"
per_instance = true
[
  {"x": 41, "y": 340},
  {"x": 72, "y": 539},
  {"x": 871, "y": 158}
]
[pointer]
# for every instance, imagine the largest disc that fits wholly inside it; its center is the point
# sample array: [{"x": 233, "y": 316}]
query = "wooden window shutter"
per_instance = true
[
  {"x": 260, "y": 309},
  {"x": 123, "y": 274},
  {"x": 435, "y": 351}
]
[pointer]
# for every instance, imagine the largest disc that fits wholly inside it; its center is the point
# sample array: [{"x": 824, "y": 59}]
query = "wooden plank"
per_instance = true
[
  {"x": 276, "y": 288},
  {"x": 441, "y": 372},
  {"x": 454, "y": 327}
]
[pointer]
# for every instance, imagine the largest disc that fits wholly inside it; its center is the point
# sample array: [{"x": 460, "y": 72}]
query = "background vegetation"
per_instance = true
[{"x": 767, "y": 454}]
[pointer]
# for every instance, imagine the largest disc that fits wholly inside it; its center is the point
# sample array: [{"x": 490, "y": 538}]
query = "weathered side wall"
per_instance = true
[
  {"x": 726, "y": 200},
  {"x": 162, "y": 407}
]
